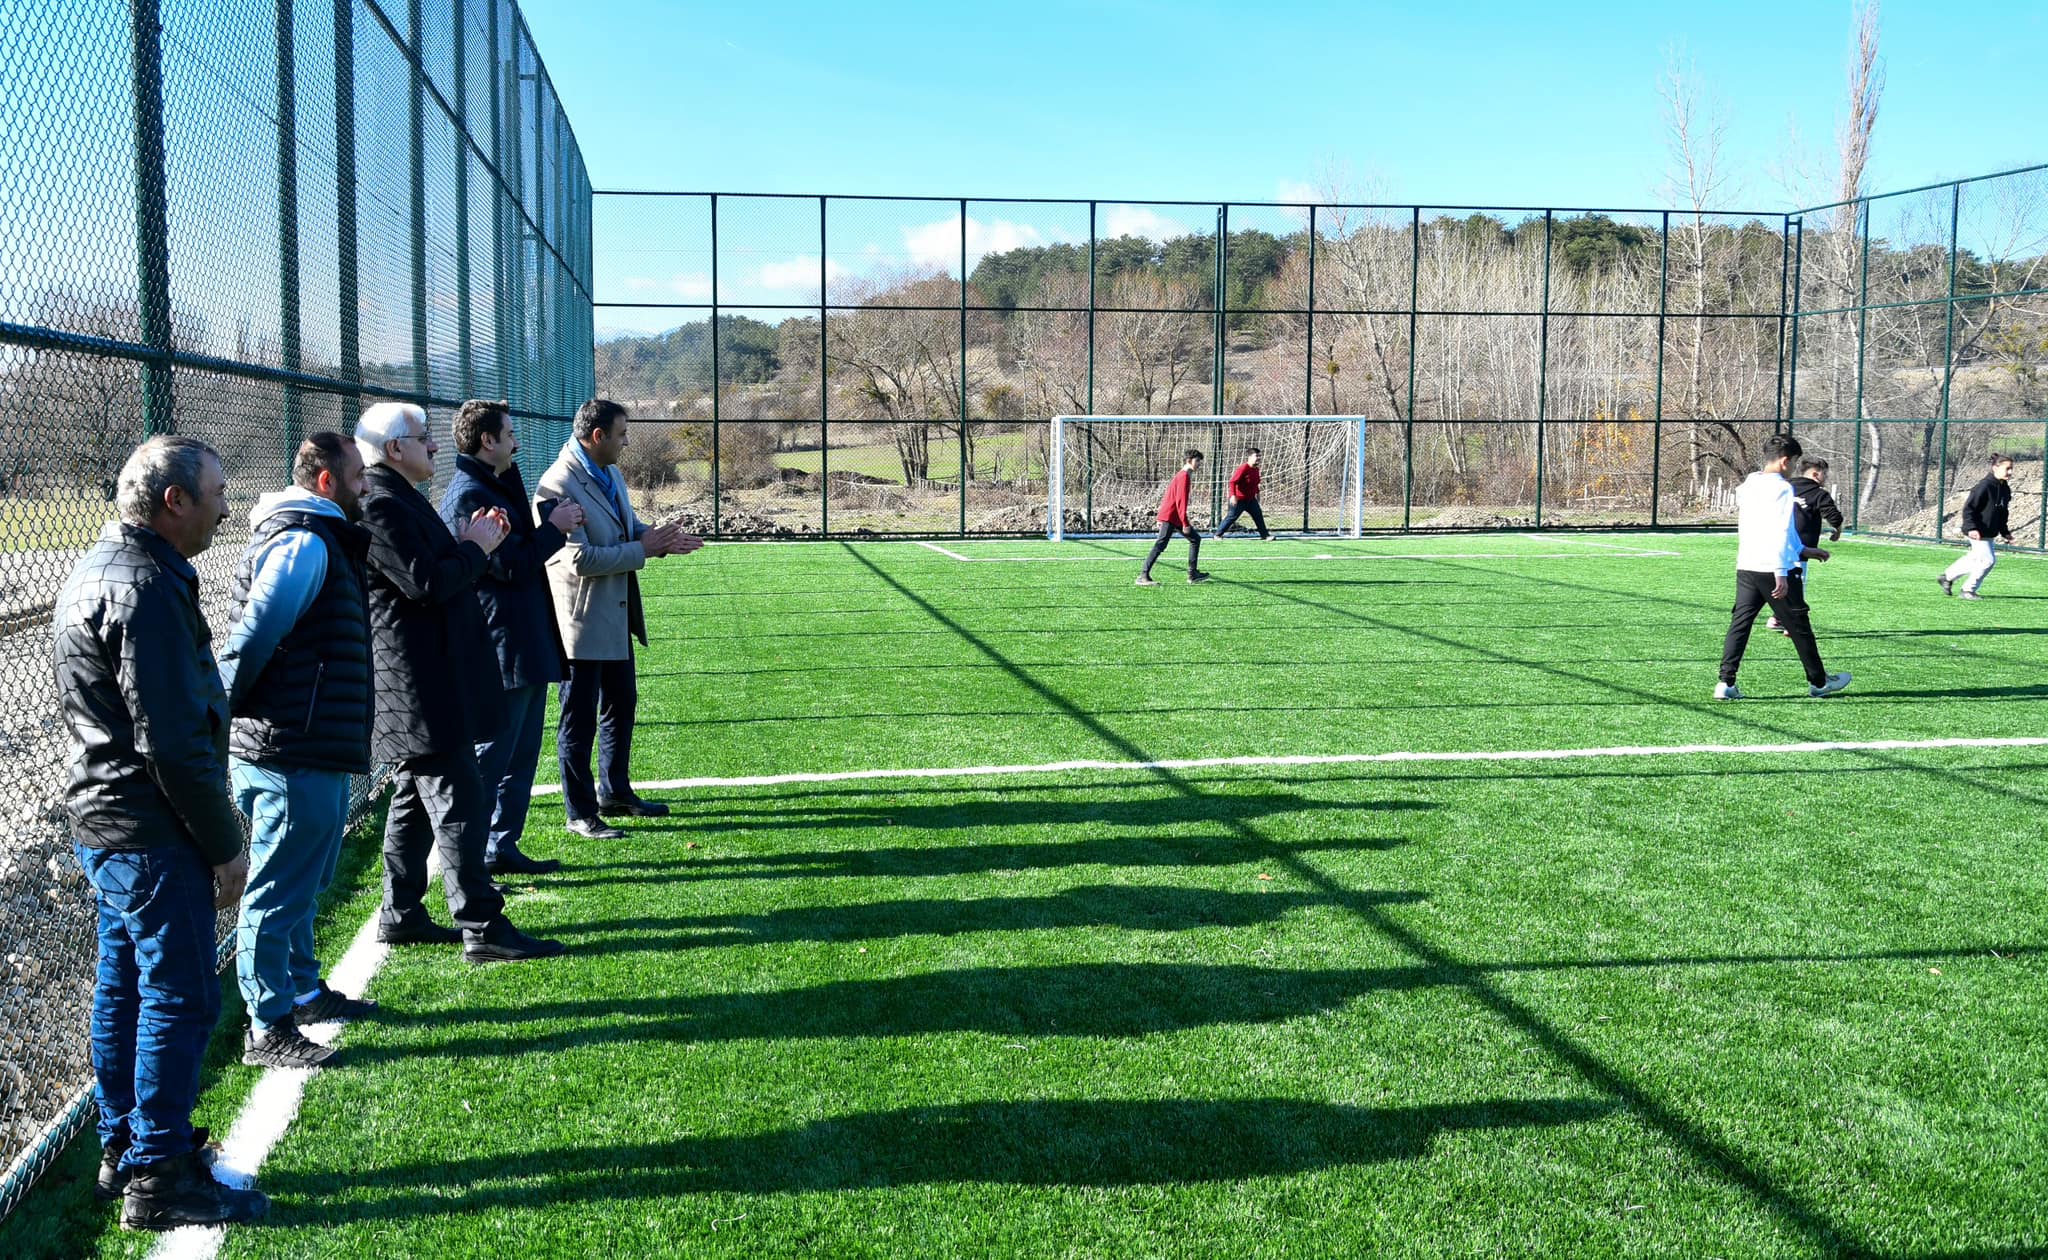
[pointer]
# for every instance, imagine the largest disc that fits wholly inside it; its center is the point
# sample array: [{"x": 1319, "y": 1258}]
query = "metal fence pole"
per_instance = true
[
  {"x": 1087, "y": 430},
  {"x": 963, "y": 367},
  {"x": 1657, "y": 412},
  {"x": 1792, "y": 371},
  {"x": 1216, "y": 365},
  {"x": 152, "y": 214},
  {"x": 1862, "y": 341},
  {"x": 290, "y": 325},
  {"x": 1308, "y": 374},
  {"x": 347, "y": 263},
  {"x": 416, "y": 133},
  {"x": 717, "y": 500},
  {"x": 500, "y": 271},
  {"x": 1408, "y": 420},
  {"x": 1948, "y": 362},
  {"x": 1543, "y": 369},
  {"x": 824, "y": 396},
  {"x": 464, "y": 334},
  {"x": 1784, "y": 278}
]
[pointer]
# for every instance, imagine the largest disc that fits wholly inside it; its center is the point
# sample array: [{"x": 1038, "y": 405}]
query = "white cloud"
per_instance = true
[
  {"x": 1298, "y": 191},
  {"x": 797, "y": 273},
  {"x": 937, "y": 245},
  {"x": 1143, "y": 221},
  {"x": 685, "y": 286}
]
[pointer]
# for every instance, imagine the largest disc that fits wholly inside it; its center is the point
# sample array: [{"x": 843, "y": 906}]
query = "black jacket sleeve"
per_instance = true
[
  {"x": 1973, "y": 508},
  {"x": 412, "y": 560},
  {"x": 1825, "y": 507},
  {"x": 177, "y": 732}
]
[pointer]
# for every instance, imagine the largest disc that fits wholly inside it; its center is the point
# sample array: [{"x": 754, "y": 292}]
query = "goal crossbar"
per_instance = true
[{"x": 1105, "y": 474}]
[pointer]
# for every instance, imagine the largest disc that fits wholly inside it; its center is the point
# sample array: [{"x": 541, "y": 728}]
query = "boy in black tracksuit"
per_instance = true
[
  {"x": 1984, "y": 518},
  {"x": 1811, "y": 505}
]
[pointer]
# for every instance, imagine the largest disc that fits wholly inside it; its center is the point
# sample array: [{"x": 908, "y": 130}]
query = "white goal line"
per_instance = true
[
  {"x": 1333, "y": 759},
  {"x": 1215, "y": 557}
]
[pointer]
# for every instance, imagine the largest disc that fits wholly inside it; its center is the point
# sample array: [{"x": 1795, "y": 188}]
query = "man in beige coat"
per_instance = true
[{"x": 595, "y": 582}]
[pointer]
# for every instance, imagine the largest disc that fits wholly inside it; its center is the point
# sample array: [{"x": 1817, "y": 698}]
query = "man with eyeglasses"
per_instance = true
[{"x": 438, "y": 694}]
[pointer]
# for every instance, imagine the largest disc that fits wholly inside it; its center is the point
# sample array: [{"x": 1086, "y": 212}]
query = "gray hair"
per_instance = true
[
  {"x": 156, "y": 466},
  {"x": 386, "y": 422}
]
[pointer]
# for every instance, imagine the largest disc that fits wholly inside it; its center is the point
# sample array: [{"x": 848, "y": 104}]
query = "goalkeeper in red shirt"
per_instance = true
[
  {"x": 1244, "y": 497},
  {"x": 1173, "y": 518}
]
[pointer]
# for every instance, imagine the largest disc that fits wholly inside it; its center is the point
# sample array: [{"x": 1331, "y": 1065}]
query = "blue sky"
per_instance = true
[{"x": 1508, "y": 103}]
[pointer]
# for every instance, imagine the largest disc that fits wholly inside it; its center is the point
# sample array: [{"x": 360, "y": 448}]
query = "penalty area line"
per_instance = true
[{"x": 1333, "y": 759}]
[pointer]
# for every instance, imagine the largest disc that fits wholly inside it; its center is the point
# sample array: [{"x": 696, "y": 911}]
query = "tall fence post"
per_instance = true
[
  {"x": 1792, "y": 369},
  {"x": 1784, "y": 304},
  {"x": 1308, "y": 375},
  {"x": 717, "y": 499},
  {"x": 416, "y": 133},
  {"x": 1862, "y": 340},
  {"x": 1948, "y": 363},
  {"x": 1657, "y": 412},
  {"x": 152, "y": 215},
  {"x": 1408, "y": 419},
  {"x": 464, "y": 334},
  {"x": 1543, "y": 370},
  {"x": 963, "y": 367},
  {"x": 1087, "y": 430},
  {"x": 290, "y": 325},
  {"x": 347, "y": 264},
  {"x": 824, "y": 395}
]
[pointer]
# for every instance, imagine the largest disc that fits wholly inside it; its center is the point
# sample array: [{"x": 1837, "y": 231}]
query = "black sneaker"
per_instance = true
[
  {"x": 1197, "y": 577},
  {"x": 331, "y": 1005},
  {"x": 501, "y": 943},
  {"x": 594, "y": 829},
  {"x": 113, "y": 1179},
  {"x": 510, "y": 861},
  {"x": 420, "y": 931},
  {"x": 1948, "y": 584},
  {"x": 181, "y": 1191},
  {"x": 635, "y": 808},
  {"x": 285, "y": 1047}
]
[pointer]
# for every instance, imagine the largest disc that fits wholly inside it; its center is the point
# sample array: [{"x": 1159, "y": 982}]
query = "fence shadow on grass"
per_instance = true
[
  {"x": 1136, "y": 909},
  {"x": 913, "y": 861},
  {"x": 1031, "y": 809},
  {"x": 1107, "y": 1000},
  {"x": 1035, "y": 1143}
]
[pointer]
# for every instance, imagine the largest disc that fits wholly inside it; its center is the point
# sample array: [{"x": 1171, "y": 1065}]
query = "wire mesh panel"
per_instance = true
[
  {"x": 239, "y": 220},
  {"x": 1108, "y": 475}
]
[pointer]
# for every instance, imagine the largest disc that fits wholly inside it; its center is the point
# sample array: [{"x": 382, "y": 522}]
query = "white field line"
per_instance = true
[
  {"x": 1212, "y": 558},
  {"x": 1335, "y": 759},
  {"x": 274, "y": 1102},
  {"x": 1592, "y": 542}
]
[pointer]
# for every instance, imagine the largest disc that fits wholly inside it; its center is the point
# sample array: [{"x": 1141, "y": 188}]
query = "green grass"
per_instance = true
[{"x": 1750, "y": 1005}]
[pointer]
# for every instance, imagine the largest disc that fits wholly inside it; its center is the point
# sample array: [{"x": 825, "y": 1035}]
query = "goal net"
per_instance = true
[{"x": 1108, "y": 473}]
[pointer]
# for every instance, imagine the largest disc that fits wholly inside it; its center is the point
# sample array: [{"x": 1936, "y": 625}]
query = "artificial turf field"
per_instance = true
[{"x": 1756, "y": 1003}]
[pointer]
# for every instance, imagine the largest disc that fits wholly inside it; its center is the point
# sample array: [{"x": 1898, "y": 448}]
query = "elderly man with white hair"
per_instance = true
[{"x": 437, "y": 694}]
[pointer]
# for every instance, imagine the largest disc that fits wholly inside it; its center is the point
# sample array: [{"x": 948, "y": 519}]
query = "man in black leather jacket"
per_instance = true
[
  {"x": 438, "y": 693},
  {"x": 153, "y": 826}
]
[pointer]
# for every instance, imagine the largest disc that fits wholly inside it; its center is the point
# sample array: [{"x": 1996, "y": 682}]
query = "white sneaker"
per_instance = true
[
  {"x": 1834, "y": 683},
  {"x": 1727, "y": 691}
]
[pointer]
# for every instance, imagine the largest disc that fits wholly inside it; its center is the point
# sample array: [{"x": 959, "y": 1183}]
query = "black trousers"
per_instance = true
[
  {"x": 598, "y": 700},
  {"x": 1752, "y": 592},
  {"x": 1238, "y": 508},
  {"x": 1166, "y": 532},
  {"x": 439, "y": 802}
]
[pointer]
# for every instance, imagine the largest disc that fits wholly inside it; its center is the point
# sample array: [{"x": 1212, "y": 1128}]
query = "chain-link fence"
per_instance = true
[
  {"x": 848, "y": 365},
  {"x": 1920, "y": 345},
  {"x": 240, "y": 220}
]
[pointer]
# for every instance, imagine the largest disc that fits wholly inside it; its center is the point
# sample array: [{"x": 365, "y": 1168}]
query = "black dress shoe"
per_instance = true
[
  {"x": 421, "y": 931},
  {"x": 595, "y": 829},
  {"x": 635, "y": 808},
  {"x": 501, "y": 943},
  {"x": 513, "y": 862}
]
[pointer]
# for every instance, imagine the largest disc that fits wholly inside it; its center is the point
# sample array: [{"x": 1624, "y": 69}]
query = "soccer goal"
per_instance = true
[{"x": 1107, "y": 472}]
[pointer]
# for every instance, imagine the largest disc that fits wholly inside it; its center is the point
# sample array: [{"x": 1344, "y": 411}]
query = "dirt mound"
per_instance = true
[
  {"x": 1475, "y": 518},
  {"x": 2025, "y": 516}
]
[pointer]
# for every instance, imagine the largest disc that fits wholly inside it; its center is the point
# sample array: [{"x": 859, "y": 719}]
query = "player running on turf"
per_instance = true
[
  {"x": 1984, "y": 515},
  {"x": 1244, "y": 496},
  {"x": 1812, "y": 504},
  {"x": 1768, "y": 560},
  {"x": 1173, "y": 518}
]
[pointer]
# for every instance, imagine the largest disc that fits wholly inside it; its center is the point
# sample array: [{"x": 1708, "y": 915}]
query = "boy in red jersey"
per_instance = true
[
  {"x": 1244, "y": 496},
  {"x": 1173, "y": 518}
]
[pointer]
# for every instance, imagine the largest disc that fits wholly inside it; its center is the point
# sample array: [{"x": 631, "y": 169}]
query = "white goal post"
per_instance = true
[{"x": 1105, "y": 474}]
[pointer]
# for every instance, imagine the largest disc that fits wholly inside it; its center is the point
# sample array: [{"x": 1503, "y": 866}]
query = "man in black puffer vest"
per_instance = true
[
  {"x": 438, "y": 694},
  {"x": 519, "y": 612},
  {"x": 296, "y": 670}
]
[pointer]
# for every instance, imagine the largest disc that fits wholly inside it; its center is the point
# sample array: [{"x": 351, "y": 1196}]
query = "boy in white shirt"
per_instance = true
[{"x": 1769, "y": 561}]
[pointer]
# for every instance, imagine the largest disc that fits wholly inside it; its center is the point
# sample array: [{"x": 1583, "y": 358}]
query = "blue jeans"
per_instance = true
[
  {"x": 508, "y": 764},
  {"x": 157, "y": 995},
  {"x": 296, "y": 819}
]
